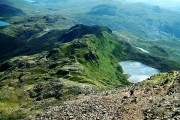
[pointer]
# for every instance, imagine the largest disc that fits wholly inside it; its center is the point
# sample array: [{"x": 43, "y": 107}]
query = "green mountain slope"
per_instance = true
[
  {"x": 11, "y": 8},
  {"x": 9, "y": 11},
  {"x": 31, "y": 34},
  {"x": 145, "y": 21},
  {"x": 44, "y": 63},
  {"x": 165, "y": 48},
  {"x": 148, "y": 21},
  {"x": 79, "y": 64},
  {"x": 149, "y": 24}
]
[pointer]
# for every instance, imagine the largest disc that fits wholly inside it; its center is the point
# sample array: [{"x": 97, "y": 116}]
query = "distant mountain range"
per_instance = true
[
  {"x": 9, "y": 11},
  {"x": 151, "y": 22}
]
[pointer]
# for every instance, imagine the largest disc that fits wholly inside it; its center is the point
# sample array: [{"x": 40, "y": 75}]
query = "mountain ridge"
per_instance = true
[
  {"x": 79, "y": 30},
  {"x": 67, "y": 70},
  {"x": 83, "y": 65}
]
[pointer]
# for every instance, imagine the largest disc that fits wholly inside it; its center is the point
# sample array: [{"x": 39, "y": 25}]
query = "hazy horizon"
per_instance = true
[
  {"x": 162, "y": 3},
  {"x": 168, "y": 4}
]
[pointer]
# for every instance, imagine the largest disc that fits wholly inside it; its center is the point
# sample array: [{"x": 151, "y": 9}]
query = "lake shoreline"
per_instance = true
[{"x": 137, "y": 71}]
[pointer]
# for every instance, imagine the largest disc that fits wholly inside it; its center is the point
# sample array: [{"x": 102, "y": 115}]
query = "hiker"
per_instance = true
[{"x": 131, "y": 92}]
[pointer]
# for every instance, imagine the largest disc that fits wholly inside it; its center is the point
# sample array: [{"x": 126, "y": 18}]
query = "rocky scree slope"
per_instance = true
[{"x": 155, "y": 98}]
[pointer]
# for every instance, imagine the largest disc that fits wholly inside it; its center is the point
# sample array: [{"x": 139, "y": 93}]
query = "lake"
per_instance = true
[
  {"x": 2, "y": 23},
  {"x": 137, "y": 70}
]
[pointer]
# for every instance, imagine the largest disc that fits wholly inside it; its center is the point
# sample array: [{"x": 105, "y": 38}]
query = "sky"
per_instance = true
[{"x": 161, "y": 3}]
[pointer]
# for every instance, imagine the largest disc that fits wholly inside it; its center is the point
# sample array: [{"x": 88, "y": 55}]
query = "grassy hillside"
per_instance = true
[
  {"x": 148, "y": 21},
  {"x": 167, "y": 49},
  {"x": 145, "y": 21},
  {"x": 44, "y": 63},
  {"x": 79, "y": 66},
  {"x": 31, "y": 34},
  {"x": 85, "y": 63},
  {"x": 151, "y": 22}
]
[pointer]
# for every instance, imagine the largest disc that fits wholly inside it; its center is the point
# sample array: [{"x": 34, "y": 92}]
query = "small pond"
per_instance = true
[
  {"x": 137, "y": 70},
  {"x": 2, "y": 23}
]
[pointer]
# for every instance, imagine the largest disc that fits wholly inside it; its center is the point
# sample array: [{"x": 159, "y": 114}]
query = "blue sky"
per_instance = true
[{"x": 161, "y": 3}]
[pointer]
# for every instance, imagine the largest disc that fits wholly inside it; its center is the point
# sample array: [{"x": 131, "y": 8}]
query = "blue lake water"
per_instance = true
[
  {"x": 137, "y": 70},
  {"x": 4, "y": 23}
]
